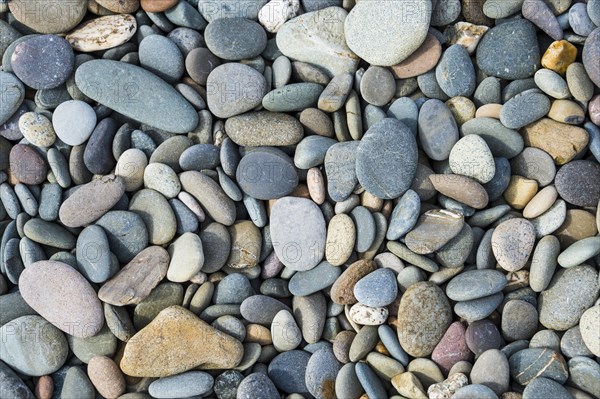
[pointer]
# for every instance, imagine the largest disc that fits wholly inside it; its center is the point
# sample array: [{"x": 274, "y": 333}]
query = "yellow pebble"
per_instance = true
[
  {"x": 559, "y": 56},
  {"x": 520, "y": 191}
]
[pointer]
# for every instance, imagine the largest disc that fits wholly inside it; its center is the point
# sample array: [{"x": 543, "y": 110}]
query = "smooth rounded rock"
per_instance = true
[
  {"x": 235, "y": 38},
  {"x": 512, "y": 243},
  {"x": 66, "y": 129}
]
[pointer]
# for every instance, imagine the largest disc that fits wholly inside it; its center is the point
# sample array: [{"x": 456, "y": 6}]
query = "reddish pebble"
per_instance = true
[
  {"x": 44, "y": 387},
  {"x": 452, "y": 348},
  {"x": 26, "y": 165},
  {"x": 594, "y": 109},
  {"x": 106, "y": 377}
]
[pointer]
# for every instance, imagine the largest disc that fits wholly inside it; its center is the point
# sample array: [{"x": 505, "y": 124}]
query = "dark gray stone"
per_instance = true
[
  {"x": 266, "y": 173},
  {"x": 235, "y": 38}
]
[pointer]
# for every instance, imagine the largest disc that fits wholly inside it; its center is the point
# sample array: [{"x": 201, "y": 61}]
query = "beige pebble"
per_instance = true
[
  {"x": 162, "y": 178},
  {"x": 541, "y": 202},
  {"x": 106, "y": 377},
  {"x": 316, "y": 185},
  {"x": 37, "y": 129},
  {"x": 562, "y": 141},
  {"x": 130, "y": 167},
  {"x": 466, "y": 34},
  {"x": 489, "y": 111},
  {"x": 424, "y": 59},
  {"x": 566, "y": 111},
  {"x": 44, "y": 387},
  {"x": 367, "y": 315},
  {"x": 341, "y": 236},
  {"x": 371, "y": 202},
  {"x": 120, "y": 6},
  {"x": 409, "y": 386},
  {"x": 520, "y": 191},
  {"x": 192, "y": 204},
  {"x": 462, "y": 109},
  {"x": 578, "y": 224},
  {"x": 259, "y": 334},
  {"x": 103, "y": 33}
]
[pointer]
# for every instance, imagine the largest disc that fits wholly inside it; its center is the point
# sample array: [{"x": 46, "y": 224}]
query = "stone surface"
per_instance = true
[
  {"x": 317, "y": 37},
  {"x": 386, "y": 175},
  {"x": 298, "y": 232},
  {"x": 73, "y": 308},
  {"x": 512, "y": 243},
  {"x": 433, "y": 230},
  {"x": 235, "y": 38},
  {"x": 264, "y": 129},
  {"x": 578, "y": 183},
  {"x": 71, "y": 14},
  {"x": 266, "y": 173},
  {"x": 372, "y": 34},
  {"x": 163, "y": 107},
  {"x": 103, "y": 33},
  {"x": 177, "y": 341},
  {"x": 563, "y": 142},
  {"x": 420, "y": 334}
]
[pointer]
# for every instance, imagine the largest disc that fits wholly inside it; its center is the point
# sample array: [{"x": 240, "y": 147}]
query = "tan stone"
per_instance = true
[
  {"x": 489, "y": 111},
  {"x": 341, "y": 236},
  {"x": 466, "y": 34},
  {"x": 559, "y": 56},
  {"x": 578, "y": 224},
  {"x": 423, "y": 60},
  {"x": 44, "y": 387},
  {"x": 371, "y": 202},
  {"x": 409, "y": 386},
  {"x": 97, "y": 9},
  {"x": 316, "y": 185},
  {"x": 120, "y": 6},
  {"x": 157, "y": 5},
  {"x": 563, "y": 142},
  {"x": 566, "y": 111},
  {"x": 541, "y": 202},
  {"x": 106, "y": 377},
  {"x": 520, "y": 191},
  {"x": 177, "y": 341},
  {"x": 462, "y": 189},
  {"x": 259, "y": 334},
  {"x": 245, "y": 245},
  {"x": 462, "y": 109},
  {"x": 103, "y": 33},
  {"x": 48, "y": 16}
]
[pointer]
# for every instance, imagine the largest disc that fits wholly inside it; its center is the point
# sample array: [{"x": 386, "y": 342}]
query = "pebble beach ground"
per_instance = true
[{"x": 296, "y": 199}]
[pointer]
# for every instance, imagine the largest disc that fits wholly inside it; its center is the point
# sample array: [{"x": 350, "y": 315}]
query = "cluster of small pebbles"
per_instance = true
[{"x": 296, "y": 199}]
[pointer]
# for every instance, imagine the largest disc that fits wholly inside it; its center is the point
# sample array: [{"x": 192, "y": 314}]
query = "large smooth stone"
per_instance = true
[
  {"x": 41, "y": 354},
  {"x": 509, "y": 51},
  {"x": 103, "y": 33},
  {"x": 318, "y": 38},
  {"x": 386, "y": 159},
  {"x": 438, "y": 131},
  {"x": 48, "y": 16},
  {"x": 177, "y": 341},
  {"x": 298, "y": 233},
  {"x": 136, "y": 93},
  {"x": 74, "y": 307},
  {"x": 424, "y": 315},
  {"x": 374, "y": 34},
  {"x": 235, "y": 38}
]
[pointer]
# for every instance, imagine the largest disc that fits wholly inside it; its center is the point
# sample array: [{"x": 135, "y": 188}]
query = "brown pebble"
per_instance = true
[
  {"x": 157, "y": 5},
  {"x": 559, "y": 56},
  {"x": 341, "y": 345},
  {"x": 462, "y": 189},
  {"x": 26, "y": 165},
  {"x": 316, "y": 185},
  {"x": 578, "y": 224},
  {"x": 473, "y": 12},
  {"x": 259, "y": 334},
  {"x": 424, "y": 59},
  {"x": 106, "y": 377},
  {"x": 563, "y": 142},
  {"x": 489, "y": 111},
  {"x": 316, "y": 122},
  {"x": 121, "y": 6},
  {"x": 566, "y": 111},
  {"x": 371, "y": 202},
  {"x": 594, "y": 110},
  {"x": 44, "y": 387},
  {"x": 520, "y": 191}
]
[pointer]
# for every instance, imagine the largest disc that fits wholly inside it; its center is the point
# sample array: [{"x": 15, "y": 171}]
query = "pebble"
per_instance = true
[
  {"x": 543, "y": 263},
  {"x": 183, "y": 385},
  {"x": 388, "y": 44},
  {"x": 210, "y": 195},
  {"x": 563, "y": 142},
  {"x": 478, "y": 309},
  {"x": 483, "y": 335},
  {"x": 578, "y": 183},
  {"x": 162, "y": 57},
  {"x": 471, "y": 157},
  {"x": 422, "y": 60},
  {"x": 285, "y": 332},
  {"x": 420, "y": 334},
  {"x": 455, "y": 73},
  {"x": 562, "y": 315},
  {"x": 26, "y": 165},
  {"x": 157, "y": 215},
  {"x": 461, "y": 189},
  {"x": 103, "y": 33},
  {"x": 187, "y": 258},
  {"x": 502, "y": 141},
  {"x": 589, "y": 54},
  {"x": 377, "y": 86},
  {"x": 529, "y": 364},
  {"x": 161, "y": 178},
  {"x": 438, "y": 131},
  {"x": 433, "y": 230},
  {"x": 534, "y": 164},
  {"x": 126, "y": 232},
  {"x": 261, "y": 309},
  {"x": 519, "y": 320},
  {"x": 148, "y": 353},
  {"x": 520, "y": 191},
  {"x": 264, "y": 129},
  {"x": 37, "y": 129},
  {"x": 42, "y": 289},
  {"x": 248, "y": 37},
  {"x": 257, "y": 385},
  {"x": 475, "y": 284},
  {"x": 341, "y": 236},
  {"x": 545, "y": 387},
  {"x": 287, "y": 371},
  {"x": 15, "y": 93},
  {"x": 104, "y": 373},
  {"x": 266, "y": 173},
  {"x": 293, "y": 97},
  {"x": 43, "y": 62},
  {"x": 93, "y": 254},
  {"x": 134, "y": 282},
  {"x": 74, "y": 133},
  {"x": 589, "y": 326},
  {"x": 298, "y": 232},
  {"x": 163, "y": 107},
  {"x": 579, "y": 82},
  {"x": 34, "y": 357},
  {"x": 321, "y": 372},
  {"x": 377, "y": 289},
  {"x": 71, "y": 14},
  {"x": 516, "y": 38},
  {"x": 452, "y": 348},
  {"x": 512, "y": 243},
  {"x": 245, "y": 245}
]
